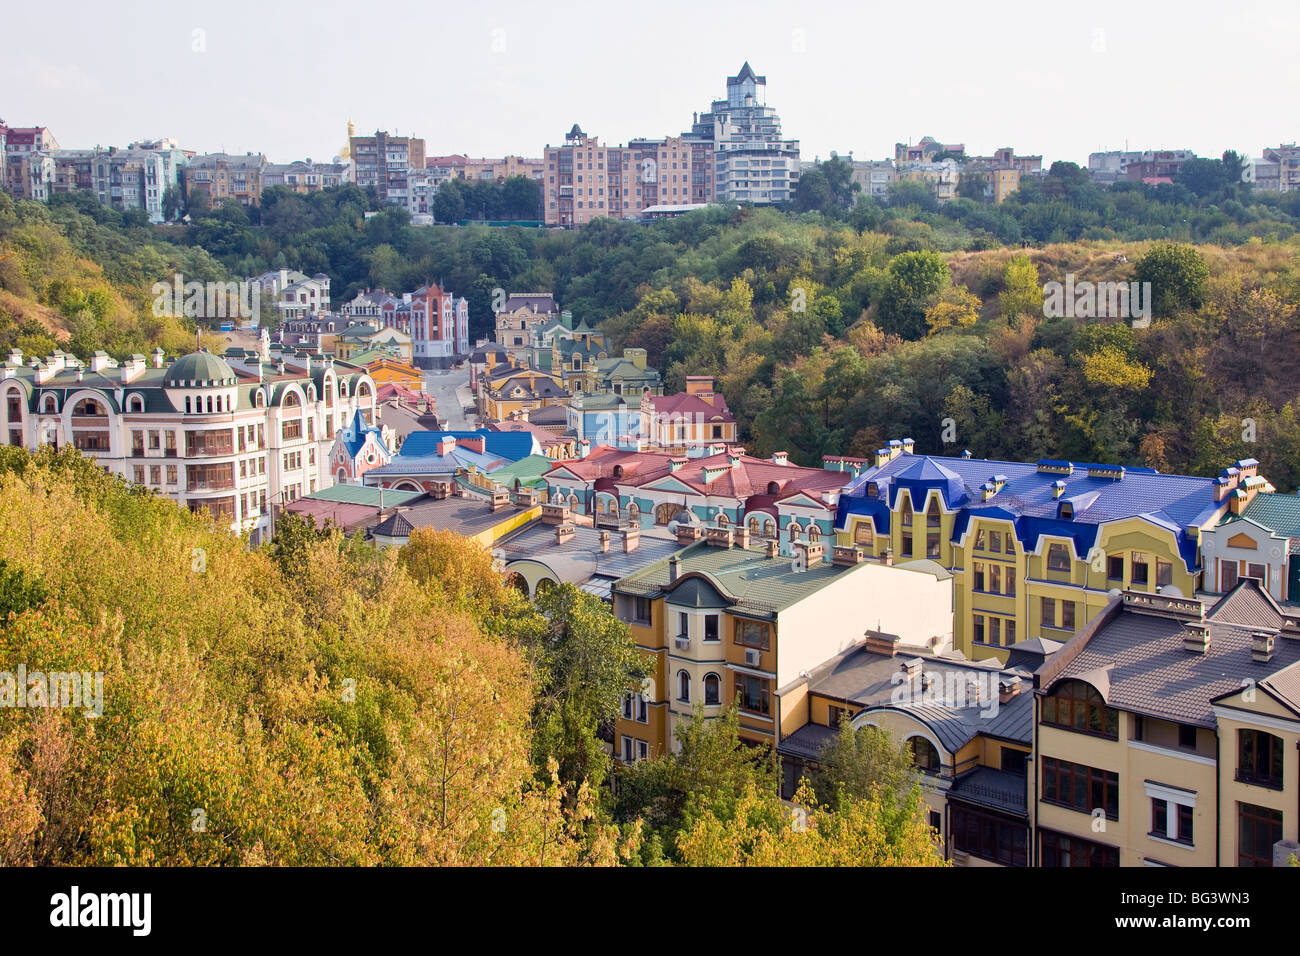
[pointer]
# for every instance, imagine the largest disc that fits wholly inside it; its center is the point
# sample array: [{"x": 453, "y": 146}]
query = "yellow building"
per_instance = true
[
  {"x": 1035, "y": 549},
  {"x": 725, "y": 621},
  {"x": 506, "y": 391},
  {"x": 1166, "y": 734},
  {"x": 387, "y": 371}
]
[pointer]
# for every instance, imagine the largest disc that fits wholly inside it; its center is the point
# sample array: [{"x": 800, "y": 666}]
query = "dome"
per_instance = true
[{"x": 198, "y": 369}]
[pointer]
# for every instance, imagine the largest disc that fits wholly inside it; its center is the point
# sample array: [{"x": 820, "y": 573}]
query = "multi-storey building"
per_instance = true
[
  {"x": 1287, "y": 158},
  {"x": 727, "y": 622},
  {"x": 1166, "y": 733},
  {"x": 436, "y": 320},
  {"x": 236, "y": 437},
  {"x": 384, "y": 163},
  {"x": 131, "y": 178},
  {"x": 484, "y": 169},
  {"x": 304, "y": 176},
  {"x": 1261, "y": 541},
  {"x": 506, "y": 390},
  {"x": 1036, "y": 549},
  {"x": 519, "y": 316},
  {"x": 687, "y": 421},
  {"x": 942, "y": 177},
  {"x": 752, "y": 163},
  {"x": 926, "y": 150},
  {"x": 223, "y": 176}
]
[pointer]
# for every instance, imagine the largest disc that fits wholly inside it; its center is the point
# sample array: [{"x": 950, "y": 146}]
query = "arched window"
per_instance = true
[
  {"x": 795, "y": 531},
  {"x": 722, "y": 519},
  {"x": 363, "y": 390},
  {"x": 573, "y": 502},
  {"x": 769, "y": 528},
  {"x": 49, "y": 404},
  {"x": 773, "y": 488},
  {"x": 684, "y": 687},
  {"x": 600, "y": 506},
  {"x": 925, "y": 757},
  {"x": 634, "y": 512},
  {"x": 188, "y": 409},
  {"x": 135, "y": 404},
  {"x": 259, "y": 399},
  {"x": 1058, "y": 557},
  {"x": 1076, "y": 705},
  {"x": 753, "y": 526},
  {"x": 905, "y": 510},
  {"x": 88, "y": 406},
  {"x": 209, "y": 404},
  {"x": 814, "y": 534},
  {"x": 712, "y": 690},
  {"x": 618, "y": 471},
  {"x": 291, "y": 399},
  {"x": 864, "y": 535},
  {"x": 933, "y": 516}
]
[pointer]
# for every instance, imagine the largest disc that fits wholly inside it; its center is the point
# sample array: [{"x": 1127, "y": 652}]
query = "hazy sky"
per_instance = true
[{"x": 509, "y": 77}]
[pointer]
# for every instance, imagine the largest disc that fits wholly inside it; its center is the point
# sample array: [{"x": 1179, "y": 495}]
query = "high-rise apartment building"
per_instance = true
[{"x": 385, "y": 162}]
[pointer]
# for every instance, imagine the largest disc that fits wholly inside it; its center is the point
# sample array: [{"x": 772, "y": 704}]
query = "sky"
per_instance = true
[{"x": 507, "y": 78}]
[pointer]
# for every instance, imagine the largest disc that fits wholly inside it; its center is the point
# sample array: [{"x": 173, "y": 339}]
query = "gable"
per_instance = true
[
  {"x": 670, "y": 485},
  {"x": 1242, "y": 540}
]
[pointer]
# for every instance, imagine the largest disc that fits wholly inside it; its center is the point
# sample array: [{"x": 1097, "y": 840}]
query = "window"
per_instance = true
[
  {"x": 1014, "y": 761},
  {"x": 995, "y": 630},
  {"x": 932, "y": 544},
  {"x": 906, "y": 511},
  {"x": 642, "y": 750},
  {"x": 641, "y": 610},
  {"x": 933, "y": 517},
  {"x": 628, "y": 705},
  {"x": 752, "y": 634},
  {"x": 995, "y": 578},
  {"x": 1227, "y": 575},
  {"x": 1067, "y": 615},
  {"x": 1048, "y": 607},
  {"x": 925, "y": 757},
  {"x": 683, "y": 624},
  {"x": 1058, "y": 558},
  {"x": 1258, "y": 828},
  {"x": 995, "y": 541},
  {"x": 1074, "y": 705},
  {"x": 1165, "y": 574},
  {"x": 1011, "y": 631},
  {"x": 684, "y": 687},
  {"x": 711, "y": 628},
  {"x": 1140, "y": 569},
  {"x": 1259, "y": 759},
  {"x": 753, "y": 694},
  {"x": 1257, "y": 571},
  {"x": 989, "y": 836},
  {"x": 907, "y": 545},
  {"x": 1058, "y": 849},
  {"x": 629, "y": 753},
  {"x": 1187, "y": 736},
  {"x": 1115, "y": 567},
  {"x": 863, "y": 534},
  {"x": 1171, "y": 821},
  {"x": 979, "y": 576},
  {"x": 712, "y": 690},
  {"x": 1080, "y": 788},
  {"x": 980, "y": 543},
  {"x": 978, "y": 635},
  {"x": 1011, "y": 582}
]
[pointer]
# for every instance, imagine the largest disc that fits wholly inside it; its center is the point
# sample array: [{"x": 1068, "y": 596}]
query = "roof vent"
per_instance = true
[{"x": 1196, "y": 637}]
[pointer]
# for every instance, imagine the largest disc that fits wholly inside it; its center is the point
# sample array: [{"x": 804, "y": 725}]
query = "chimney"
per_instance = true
[
  {"x": 912, "y": 667},
  {"x": 1262, "y": 644},
  {"x": 780, "y": 458},
  {"x": 445, "y": 444},
  {"x": 812, "y": 551},
  {"x": 741, "y": 537},
  {"x": 1196, "y": 637},
  {"x": 631, "y": 539},
  {"x": 564, "y": 532},
  {"x": 772, "y": 548},
  {"x": 672, "y": 569},
  {"x": 718, "y": 537},
  {"x": 500, "y": 499},
  {"x": 687, "y": 533},
  {"x": 1058, "y": 489},
  {"x": 887, "y": 557},
  {"x": 1008, "y": 687},
  {"x": 604, "y": 542},
  {"x": 555, "y": 514},
  {"x": 477, "y": 444},
  {"x": 846, "y": 556},
  {"x": 878, "y": 642},
  {"x": 908, "y": 445}
]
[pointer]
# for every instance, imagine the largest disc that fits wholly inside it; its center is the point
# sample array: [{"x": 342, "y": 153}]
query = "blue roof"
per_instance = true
[
  {"x": 512, "y": 446},
  {"x": 354, "y": 435},
  {"x": 1028, "y": 498}
]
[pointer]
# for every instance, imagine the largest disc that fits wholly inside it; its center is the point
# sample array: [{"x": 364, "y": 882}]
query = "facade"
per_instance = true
[
  {"x": 1036, "y": 548},
  {"x": 555, "y": 446},
  {"x": 519, "y": 316},
  {"x": 304, "y": 176},
  {"x": 1287, "y": 158},
  {"x": 925, "y": 150},
  {"x": 1262, "y": 541},
  {"x": 303, "y": 298},
  {"x": 223, "y": 176},
  {"x": 383, "y": 162},
  {"x": 430, "y": 461},
  {"x": 728, "y": 622},
  {"x": 236, "y": 437},
  {"x": 770, "y": 498},
  {"x": 358, "y": 447},
  {"x": 942, "y": 177},
  {"x": 436, "y": 321},
  {"x": 969, "y": 728},
  {"x": 27, "y": 168},
  {"x": 690, "y": 420},
  {"x": 506, "y": 390},
  {"x": 1166, "y": 734},
  {"x": 124, "y": 179}
]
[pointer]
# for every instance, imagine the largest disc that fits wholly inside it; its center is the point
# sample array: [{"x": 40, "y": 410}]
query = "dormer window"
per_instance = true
[
  {"x": 1066, "y": 511},
  {"x": 1058, "y": 557}
]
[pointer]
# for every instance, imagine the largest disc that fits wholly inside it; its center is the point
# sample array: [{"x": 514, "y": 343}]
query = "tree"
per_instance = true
[
  {"x": 972, "y": 186},
  {"x": 171, "y": 202},
  {"x": 197, "y": 203},
  {"x": 1178, "y": 276},
  {"x": 956, "y": 308},
  {"x": 913, "y": 281},
  {"x": 1204, "y": 177},
  {"x": 449, "y": 202},
  {"x": 1021, "y": 294},
  {"x": 860, "y": 762}
]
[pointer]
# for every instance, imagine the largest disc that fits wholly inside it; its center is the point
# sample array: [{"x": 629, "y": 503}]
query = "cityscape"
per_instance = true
[{"x": 680, "y": 501}]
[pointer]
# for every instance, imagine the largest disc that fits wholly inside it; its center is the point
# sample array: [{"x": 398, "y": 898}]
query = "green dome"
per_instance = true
[{"x": 198, "y": 369}]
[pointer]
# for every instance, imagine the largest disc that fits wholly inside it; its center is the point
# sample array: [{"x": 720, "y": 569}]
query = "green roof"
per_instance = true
[
  {"x": 361, "y": 495},
  {"x": 757, "y": 584},
  {"x": 1278, "y": 512},
  {"x": 528, "y": 470},
  {"x": 202, "y": 367}
]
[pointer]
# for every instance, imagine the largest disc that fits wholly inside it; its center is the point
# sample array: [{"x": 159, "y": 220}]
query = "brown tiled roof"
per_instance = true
[{"x": 1248, "y": 605}]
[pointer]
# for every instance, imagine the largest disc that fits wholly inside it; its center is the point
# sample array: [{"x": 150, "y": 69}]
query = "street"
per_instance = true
[{"x": 450, "y": 389}]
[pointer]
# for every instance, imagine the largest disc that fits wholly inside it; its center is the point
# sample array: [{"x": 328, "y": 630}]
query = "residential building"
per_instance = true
[
  {"x": 969, "y": 727},
  {"x": 506, "y": 390},
  {"x": 430, "y": 460},
  {"x": 925, "y": 150},
  {"x": 1287, "y": 158},
  {"x": 436, "y": 320},
  {"x": 234, "y": 437},
  {"x": 752, "y": 163},
  {"x": 1156, "y": 166},
  {"x": 1035, "y": 549},
  {"x": 556, "y": 447},
  {"x": 728, "y": 622},
  {"x": 518, "y": 316},
  {"x": 223, "y": 176},
  {"x": 384, "y": 162},
  {"x": 942, "y": 177},
  {"x": 358, "y": 447},
  {"x": 690, "y": 420},
  {"x": 499, "y": 170},
  {"x": 1166, "y": 733},
  {"x": 771, "y": 498},
  {"x": 304, "y": 176},
  {"x": 1261, "y": 541},
  {"x": 304, "y": 298}
]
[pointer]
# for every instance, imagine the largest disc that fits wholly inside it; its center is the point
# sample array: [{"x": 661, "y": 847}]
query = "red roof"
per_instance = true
[{"x": 712, "y": 406}]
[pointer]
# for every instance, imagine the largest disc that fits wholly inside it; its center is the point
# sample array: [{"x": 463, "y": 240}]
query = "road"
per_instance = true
[{"x": 450, "y": 388}]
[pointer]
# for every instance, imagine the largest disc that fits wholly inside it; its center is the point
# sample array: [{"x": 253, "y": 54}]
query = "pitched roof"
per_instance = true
[
  {"x": 684, "y": 403},
  {"x": 1278, "y": 513},
  {"x": 511, "y": 446}
]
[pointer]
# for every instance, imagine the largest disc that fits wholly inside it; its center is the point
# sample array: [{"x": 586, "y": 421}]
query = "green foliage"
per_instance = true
[
  {"x": 915, "y": 280},
  {"x": 860, "y": 763},
  {"x": 1178, "y": 276}
]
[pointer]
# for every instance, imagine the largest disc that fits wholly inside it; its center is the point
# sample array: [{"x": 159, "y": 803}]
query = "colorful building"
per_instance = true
[
  {"x": 728, "y": 621},
  {"x": 1036, "y": 549},
  {"x": 689, "y": 420}
]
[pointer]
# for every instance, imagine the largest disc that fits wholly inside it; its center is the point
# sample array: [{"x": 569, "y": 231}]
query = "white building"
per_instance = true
[{"x": 238, "y": 437}]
